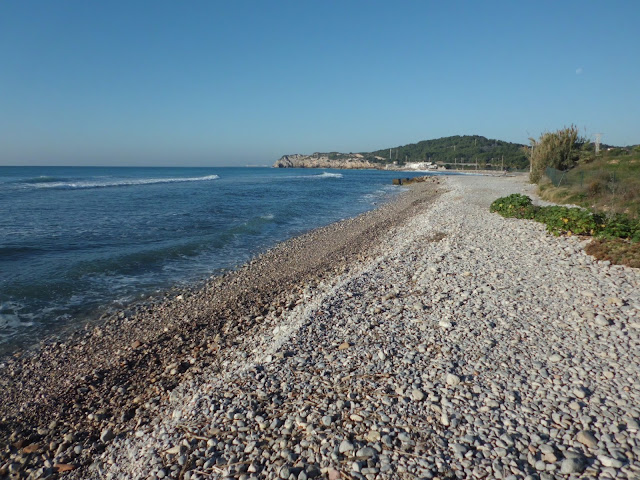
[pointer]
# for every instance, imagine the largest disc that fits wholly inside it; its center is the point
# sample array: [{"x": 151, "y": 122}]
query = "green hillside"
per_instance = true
[
  {"x": 458, "y": 149},
  {"x": 607, "y": 183}
]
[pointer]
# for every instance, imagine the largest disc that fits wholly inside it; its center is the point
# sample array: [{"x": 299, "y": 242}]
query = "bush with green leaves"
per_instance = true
[
  {"x": 571, "y": 221},
  {"x": 564, "y": 220},
  {"x": 620, "y": 226},
  {"x": 515, "y": 206}
]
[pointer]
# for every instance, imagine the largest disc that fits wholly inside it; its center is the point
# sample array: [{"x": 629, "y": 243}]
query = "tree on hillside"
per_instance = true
[
  {"x": 454, "y": 150},
  {"x": 562, "y": 150}
]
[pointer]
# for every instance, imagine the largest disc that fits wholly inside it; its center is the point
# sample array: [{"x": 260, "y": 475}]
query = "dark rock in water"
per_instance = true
[{"x": 409, "y": 181}]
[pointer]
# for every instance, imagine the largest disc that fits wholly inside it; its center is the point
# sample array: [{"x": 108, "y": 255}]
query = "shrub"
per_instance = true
[
  {"x": 561, "y": 220},
  {"x": 595, "y": 187},
  {"x": 573, "y": 221},
  {"x": 561, "y": 150},
  {"x": 620, "y": 226},
  {"x": 515, "y": 205}
]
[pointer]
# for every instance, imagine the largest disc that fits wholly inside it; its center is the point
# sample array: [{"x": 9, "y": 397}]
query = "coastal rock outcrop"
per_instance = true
[{"x": 321, "y": 160}]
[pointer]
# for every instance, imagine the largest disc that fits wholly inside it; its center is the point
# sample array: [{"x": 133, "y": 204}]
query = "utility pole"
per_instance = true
[
  {"x": 532, "y": 141},
  {"x": 531, "y": 161},
  {"x": 597, "y": 142},
  {"x": 502, "y": 168}
]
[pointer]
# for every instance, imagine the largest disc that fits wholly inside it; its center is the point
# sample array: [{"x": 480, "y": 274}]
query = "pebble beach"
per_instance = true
[{"x": 427, "y": 339}]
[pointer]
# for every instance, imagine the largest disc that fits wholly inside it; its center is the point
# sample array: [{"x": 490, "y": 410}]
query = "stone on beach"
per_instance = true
[
  {"x": 586, "y": 438},
  {"x": 572, "y": 465},
  {"x": 106, "y": 435},
  {"x": 417, "y": 394},
  {"x": 346, "y": 446},
  {"x": 555, "y": 358},
  {"x": 452, "y": 379}
]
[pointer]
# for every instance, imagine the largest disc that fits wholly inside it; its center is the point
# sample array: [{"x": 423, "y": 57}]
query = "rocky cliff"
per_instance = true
[{"x": 323, "y": 161}]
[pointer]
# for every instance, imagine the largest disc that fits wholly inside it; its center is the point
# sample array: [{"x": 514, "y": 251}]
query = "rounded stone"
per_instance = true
[
  {"x": 417, "y": 395},
  {"x": 107, "y": 435},
  {"x": 345, "y": 446},
  {"x": 452, "y": 379}
]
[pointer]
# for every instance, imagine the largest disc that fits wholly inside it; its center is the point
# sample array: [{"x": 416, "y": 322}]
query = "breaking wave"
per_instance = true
[
  {"x": 318, "y": 176},
  {"x": 47, "y": 182}
]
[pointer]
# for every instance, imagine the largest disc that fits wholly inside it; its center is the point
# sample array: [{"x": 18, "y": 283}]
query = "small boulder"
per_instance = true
[
  {"x": 586, "y": 438},
  {"x": 107, "y": 435},
  {"x": 572, "y": 465}
]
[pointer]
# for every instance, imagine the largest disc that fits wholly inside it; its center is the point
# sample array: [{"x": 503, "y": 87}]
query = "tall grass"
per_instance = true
[{"x": 609, "y": 184}]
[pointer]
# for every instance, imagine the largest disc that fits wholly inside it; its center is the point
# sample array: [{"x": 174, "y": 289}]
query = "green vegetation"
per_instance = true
[
  {"x": 609, "y": 183},
  {"x": 572, "y": 221},
  {"x": 338, "y": 156},
  {"x": 562, "y": 150},
  {"x": 618, "y": 235},
  {"x": 456, "y": 150},
  {"x": 461, "y": 152},
  {"x": 567, "y": 170}
]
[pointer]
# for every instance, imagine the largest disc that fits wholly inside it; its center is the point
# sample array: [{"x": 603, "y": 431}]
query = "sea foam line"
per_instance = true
[
  {"x": 122, "y": 183},
  {"x": 318, "y": 176}
]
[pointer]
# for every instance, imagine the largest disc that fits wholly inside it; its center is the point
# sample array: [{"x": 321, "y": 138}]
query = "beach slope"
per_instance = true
[{"x": 442, "y": 342}]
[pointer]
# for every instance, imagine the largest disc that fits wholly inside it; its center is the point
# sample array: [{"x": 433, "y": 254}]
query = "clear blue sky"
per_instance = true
[{"x": 238, "y": 82}]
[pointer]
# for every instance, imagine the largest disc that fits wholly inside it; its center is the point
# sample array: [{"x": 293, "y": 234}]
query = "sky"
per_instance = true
[{"x": 241, "y": 82}]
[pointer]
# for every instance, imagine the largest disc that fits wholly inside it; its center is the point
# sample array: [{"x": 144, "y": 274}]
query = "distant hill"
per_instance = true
[
  {"x": 467, "y": 149},
  {"x": 458, "y": 149}
]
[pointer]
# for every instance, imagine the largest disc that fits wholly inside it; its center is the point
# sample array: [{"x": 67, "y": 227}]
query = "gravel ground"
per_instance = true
[
  {"x": 470, "y": 346},
  {"x": 62, "y": 403},
  {"x": 442, "y": 342}
]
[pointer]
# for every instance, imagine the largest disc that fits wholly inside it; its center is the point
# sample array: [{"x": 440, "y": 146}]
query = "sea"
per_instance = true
[{"x": 76, "y": 242}]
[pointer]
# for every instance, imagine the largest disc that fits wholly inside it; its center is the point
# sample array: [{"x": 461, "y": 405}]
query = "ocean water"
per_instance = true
[{"x": 76, "y": 241}]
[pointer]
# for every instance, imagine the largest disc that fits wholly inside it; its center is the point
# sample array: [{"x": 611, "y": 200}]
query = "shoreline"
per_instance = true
[
  {"x": 67, "y": 385},
  {"x": 92, "y": 316},
  {"x": 427, "y": 339},
  {"x": 469, "y": 346}
]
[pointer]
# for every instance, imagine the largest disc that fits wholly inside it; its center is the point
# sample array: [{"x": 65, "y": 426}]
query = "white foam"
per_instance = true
[
  {"x": 318, "y": 176},
  {"x": 12, "y": 320},
  {"x": 123, "y": 183}
]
